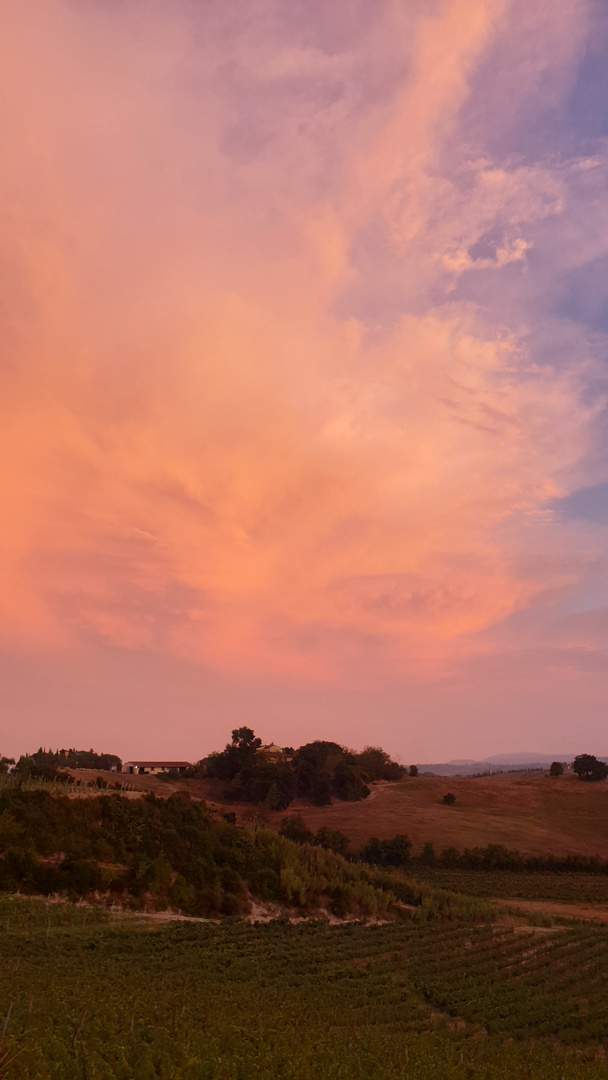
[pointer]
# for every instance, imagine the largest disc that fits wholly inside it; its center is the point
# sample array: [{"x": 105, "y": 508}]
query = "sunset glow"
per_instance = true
[{"x": 303, "y": 375}]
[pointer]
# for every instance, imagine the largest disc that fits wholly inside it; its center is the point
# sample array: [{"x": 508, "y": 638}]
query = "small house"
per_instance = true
[
  {"x": 272, "y": 754},
  {"x": 155, "y": 768}
]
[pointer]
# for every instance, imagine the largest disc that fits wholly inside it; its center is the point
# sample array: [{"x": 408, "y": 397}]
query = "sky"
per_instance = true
[{"x": 303, "y": 375}]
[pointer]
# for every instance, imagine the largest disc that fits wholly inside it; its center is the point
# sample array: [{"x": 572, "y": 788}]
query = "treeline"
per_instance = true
[
  {"x": 156, "y": 853},
  {"x": 497, "y": 857},
  {"x": 317, "y": 771},
  {"x": 393, "y": 853},
  {"x": 396, "y": 853},
  {"x": 48, "y": 764}
]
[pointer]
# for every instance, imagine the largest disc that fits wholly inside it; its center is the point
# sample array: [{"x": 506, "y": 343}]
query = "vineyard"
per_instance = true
[
  {"x": 88, "y": 996},
  {"x": 495, "y": 884}
]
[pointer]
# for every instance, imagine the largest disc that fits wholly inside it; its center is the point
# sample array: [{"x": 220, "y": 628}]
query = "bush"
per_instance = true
[
  {"x": 449, "y": 799},
  {"x": 332, "y": 840},
  {"x": 294, "y": 828},
  {"x": 394, "y": 852}
]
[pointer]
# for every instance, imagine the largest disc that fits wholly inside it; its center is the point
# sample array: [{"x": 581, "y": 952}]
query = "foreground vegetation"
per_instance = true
[
  {"x": 83, "y": 997},
  {"x": 157, "y": 853}
]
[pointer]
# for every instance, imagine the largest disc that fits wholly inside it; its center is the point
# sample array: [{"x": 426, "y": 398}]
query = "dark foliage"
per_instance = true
[
  {"x": 316, "y": 771},
  {"x": 497, "y": 857},
  {"x": 587, "y": 767},
  {"x": 390, "y": 853},
  {"x": 294, "y": 828},
  {"x": 376, "y": 764},
  {"x": 449, "y": 799},
  {"x": 347, "y": 783},
  {"x": 259, "y": 782},
  {"x": 237, "y": 755},
  {"x": 557, "y": 769},
  {"x": 69, "y": 759},
  {"x": 170, "y": 852}
]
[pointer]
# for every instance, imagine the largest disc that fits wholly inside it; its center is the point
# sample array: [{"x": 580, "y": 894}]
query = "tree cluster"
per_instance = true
[
  {"x": 67, "y": 759},
  {"x": 588, "y": 767},
  {"x": 317, "y": 772},
  {"x": 294, "y": 828}
]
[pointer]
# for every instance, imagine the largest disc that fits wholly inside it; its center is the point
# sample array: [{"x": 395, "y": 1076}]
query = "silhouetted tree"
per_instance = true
[
  {"x": 587, "y": 767},
  {"x": 236, "y": 756},
  {"x": 376, "y": 764},
  {"x": 449, "y": 799},
  {"x": 556, "y": 769},
  {"x": 413, "y": 770}
]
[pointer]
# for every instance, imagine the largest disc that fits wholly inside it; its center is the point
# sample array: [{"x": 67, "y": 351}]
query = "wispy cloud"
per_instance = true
[{"x": 291, "y": 371}]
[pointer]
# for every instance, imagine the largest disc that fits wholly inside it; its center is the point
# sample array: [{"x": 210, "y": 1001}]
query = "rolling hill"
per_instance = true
[{"x": 533, "y": 813}]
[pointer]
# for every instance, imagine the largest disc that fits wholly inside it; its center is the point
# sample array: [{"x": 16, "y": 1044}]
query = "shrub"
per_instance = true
[
  {"x": 449, "y": 799},
  {"x": 294, "y": 828},
  {"x": 394, "y": 852},
  {"x": 332, "y": 840}
]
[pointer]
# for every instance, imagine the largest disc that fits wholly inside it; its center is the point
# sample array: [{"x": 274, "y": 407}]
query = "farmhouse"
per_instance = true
[
  {"x": 153, "y": 768},
  {"x": 272, "y": 754}
]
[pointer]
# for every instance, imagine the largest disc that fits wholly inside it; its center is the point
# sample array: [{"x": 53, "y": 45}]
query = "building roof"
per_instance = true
[
  {"x": 161, "y": 764},
  {"x": 272, "y": 748}
]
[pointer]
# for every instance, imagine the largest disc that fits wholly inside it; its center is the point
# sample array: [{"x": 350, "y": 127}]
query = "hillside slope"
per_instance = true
[
  {"x": 535, "y": 814},
  {"x": 532, "y": 813}
]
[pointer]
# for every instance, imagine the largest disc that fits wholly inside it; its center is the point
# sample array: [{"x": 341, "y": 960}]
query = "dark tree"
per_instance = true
[
  {"x": 295, "y": 828},
  {"x": 376, "y": 764},
  {"x": 321, "y": 790},
  {"x": 557, "y": 769},
  {"x": 587, "y": 767},
  {"x": 427, "y": 855},
  {"x": 394, "y": 852},
  {"x": 347, "y": 783},
  {"x": 449, "y": 799},
  {"x": 237, "y": 755},
  {"x": 413, "y": 770}
]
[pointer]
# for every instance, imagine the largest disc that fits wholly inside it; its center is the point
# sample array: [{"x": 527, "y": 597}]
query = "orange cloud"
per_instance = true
[{"x": 227, "y": 436}]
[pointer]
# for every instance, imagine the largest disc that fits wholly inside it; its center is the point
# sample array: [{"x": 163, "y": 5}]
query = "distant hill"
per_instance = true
[{"x": 497, "y": 763}]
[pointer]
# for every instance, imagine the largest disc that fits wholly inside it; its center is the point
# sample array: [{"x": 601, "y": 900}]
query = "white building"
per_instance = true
[{"x": 153, "y": 768}]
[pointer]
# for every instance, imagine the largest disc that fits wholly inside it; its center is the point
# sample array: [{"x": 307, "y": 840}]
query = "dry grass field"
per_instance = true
[
  {"x": 534, "y": 814},
  {"x": 530, "y": 812}
]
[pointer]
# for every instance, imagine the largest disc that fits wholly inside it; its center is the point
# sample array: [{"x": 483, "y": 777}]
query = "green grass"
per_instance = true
[{"x": 84, "y": 997}]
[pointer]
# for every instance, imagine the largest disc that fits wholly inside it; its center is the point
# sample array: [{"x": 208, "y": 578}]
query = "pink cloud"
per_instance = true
[{"x": 271, "y": 406}]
